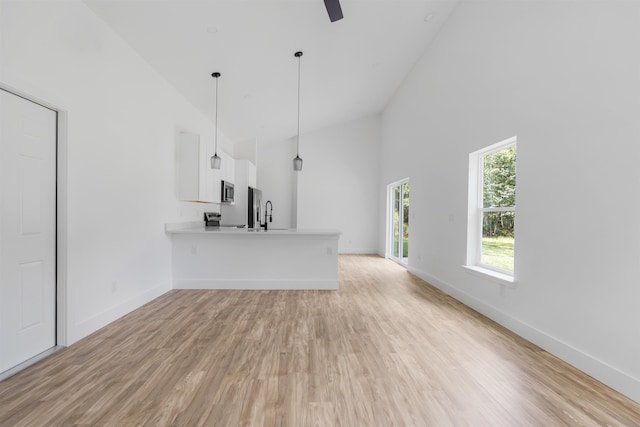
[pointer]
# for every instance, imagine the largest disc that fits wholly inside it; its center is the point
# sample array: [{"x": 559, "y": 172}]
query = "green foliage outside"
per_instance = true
[
  {"x": 498, "y": 251},
  {"x": 499, "y": 191}
]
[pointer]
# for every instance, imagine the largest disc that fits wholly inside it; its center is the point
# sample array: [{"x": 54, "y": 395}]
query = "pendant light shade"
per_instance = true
[
  {"x": 216, "y": 161},
  {"x": 297, "y": 164},
  {"x": 297, "y": 161}
]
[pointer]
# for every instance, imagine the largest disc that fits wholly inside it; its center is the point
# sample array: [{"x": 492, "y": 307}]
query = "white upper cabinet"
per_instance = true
[
  {"x": 197, "y": 182},
  {"x": 251, "y": 174},
  {"x": 225, "y": 173},
  {"x": 189, "y": 167},
  {"x": 216, "y": 182},
  {"x": 228, "y": 167}
]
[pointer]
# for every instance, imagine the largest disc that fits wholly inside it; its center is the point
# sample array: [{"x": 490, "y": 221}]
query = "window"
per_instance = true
[{"x": 492, "y": 210}]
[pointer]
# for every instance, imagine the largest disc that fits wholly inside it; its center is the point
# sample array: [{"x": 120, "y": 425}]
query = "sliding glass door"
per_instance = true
[{"x": 398, "y": 237}]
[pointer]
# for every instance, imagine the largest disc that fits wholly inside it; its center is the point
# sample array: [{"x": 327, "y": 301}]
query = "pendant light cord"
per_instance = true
[
  {"x": 216, "y": 149},
  {"x": 299, "y": 55}
]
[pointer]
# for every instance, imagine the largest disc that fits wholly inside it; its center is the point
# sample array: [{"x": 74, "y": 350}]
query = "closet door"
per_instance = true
[{"x": 27, "y": 229}]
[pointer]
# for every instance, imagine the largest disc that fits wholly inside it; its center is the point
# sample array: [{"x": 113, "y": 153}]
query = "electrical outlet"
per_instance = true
[
  {"x": 114, "y": 286},
  {"x": 329, "y": 250},
  {"x": 194, "y": 250}
]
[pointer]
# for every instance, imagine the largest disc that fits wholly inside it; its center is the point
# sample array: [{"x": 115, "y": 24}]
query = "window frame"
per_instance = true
[{"x": 476, "y": 212}]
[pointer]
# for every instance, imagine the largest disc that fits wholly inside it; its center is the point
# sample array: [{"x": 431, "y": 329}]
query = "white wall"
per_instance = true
[
  {"x": 275, "y": 177},
  {"x": 246, "y": 150},
  {"x": 122, "y": 122},
  {"x": 564, "y": 77},
  {"x": 338, "y": 184}
]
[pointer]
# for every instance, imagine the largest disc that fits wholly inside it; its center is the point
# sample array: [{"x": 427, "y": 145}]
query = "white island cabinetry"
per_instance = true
[{"x": 237, "y": 258}]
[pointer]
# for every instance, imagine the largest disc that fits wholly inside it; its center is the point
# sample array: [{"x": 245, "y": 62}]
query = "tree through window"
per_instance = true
[{"x": 497, "y": 209}]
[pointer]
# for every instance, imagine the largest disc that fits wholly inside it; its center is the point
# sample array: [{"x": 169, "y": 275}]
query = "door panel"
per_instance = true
[
  {"x": 31, "y": 170},
  {"x": 399, "y": 222},
  {"x": 32, "y": 292},
  {"x": 397, "y": 212},
  {"x": 27, "y": 229}
]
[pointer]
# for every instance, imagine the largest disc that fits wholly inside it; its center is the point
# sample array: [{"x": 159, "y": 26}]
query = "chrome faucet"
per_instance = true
[{"x": 267, "y": 214}]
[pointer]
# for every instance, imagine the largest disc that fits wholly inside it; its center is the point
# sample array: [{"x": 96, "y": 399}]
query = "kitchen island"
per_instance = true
[{"x": 240, "y": 258}]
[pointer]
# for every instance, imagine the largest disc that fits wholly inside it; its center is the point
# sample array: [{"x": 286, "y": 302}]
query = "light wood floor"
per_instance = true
[{"x": 386, "y": 349}]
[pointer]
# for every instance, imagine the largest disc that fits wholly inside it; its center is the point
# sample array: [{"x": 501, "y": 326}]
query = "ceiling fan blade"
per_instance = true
[{"x": 333, "y": 9}]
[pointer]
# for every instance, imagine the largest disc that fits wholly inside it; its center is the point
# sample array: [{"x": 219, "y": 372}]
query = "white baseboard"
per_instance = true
[
  {"x": 609, "y": 375},
  {"x": 352, "y": 251},
  {"x": 92, "y": 324},
  {"x": 258, "y": 284}
]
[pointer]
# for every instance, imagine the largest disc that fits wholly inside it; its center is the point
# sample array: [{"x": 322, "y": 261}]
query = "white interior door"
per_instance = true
[{"x": 27, "y": 229}]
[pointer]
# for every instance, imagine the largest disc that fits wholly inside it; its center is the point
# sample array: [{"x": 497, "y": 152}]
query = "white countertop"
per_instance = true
[{"x": 198, "y": 227}]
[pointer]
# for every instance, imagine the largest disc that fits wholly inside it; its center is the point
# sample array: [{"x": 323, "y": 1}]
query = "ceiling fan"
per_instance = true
[{"x": 333, "y": 9}]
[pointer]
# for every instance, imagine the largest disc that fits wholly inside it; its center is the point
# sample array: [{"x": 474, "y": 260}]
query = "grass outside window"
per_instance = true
[{"x": 498, "y": 252}]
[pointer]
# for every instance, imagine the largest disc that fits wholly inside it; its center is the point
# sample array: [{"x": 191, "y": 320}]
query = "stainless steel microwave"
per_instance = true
[{"x": 227, "y": 192}]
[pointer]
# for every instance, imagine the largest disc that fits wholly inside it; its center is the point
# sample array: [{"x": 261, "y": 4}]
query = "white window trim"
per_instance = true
[
  {"x": 491, "y": 275},
  {"x": 474, "y": 215}
]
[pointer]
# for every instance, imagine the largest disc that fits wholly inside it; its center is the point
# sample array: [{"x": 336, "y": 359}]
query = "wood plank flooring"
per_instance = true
[{"x": 387, "y": 349}]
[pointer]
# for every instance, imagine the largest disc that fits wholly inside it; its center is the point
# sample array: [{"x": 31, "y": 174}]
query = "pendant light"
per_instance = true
[
  {"x": 297, "y": 161},
  {"x": 215, "y": 159}
]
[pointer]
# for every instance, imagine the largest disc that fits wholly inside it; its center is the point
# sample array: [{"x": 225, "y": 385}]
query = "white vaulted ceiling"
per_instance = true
[{"x": 350, "y": 68}]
